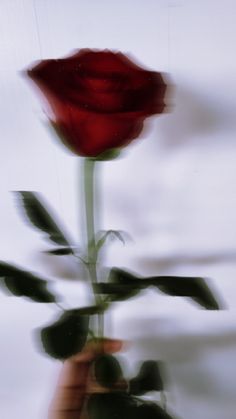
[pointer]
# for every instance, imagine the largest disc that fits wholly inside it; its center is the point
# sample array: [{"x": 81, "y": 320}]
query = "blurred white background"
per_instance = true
[{"x": 173, "y": 192}]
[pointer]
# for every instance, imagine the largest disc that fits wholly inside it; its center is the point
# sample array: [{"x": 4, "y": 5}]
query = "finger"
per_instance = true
[
  {"x": 71, "y": 390},
  {"x": 72, "y": 386},
  {"x": 96, "y": 347}
]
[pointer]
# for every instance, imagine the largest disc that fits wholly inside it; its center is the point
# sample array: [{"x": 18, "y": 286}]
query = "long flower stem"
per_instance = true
[{"x": 89, "y": 166}]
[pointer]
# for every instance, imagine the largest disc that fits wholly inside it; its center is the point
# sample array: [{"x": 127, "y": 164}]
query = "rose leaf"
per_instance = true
[
  {"x": 40, "y": 218},
  {"x": 150, "y": 410},
  {"x": 148, "y": 379},
  {"x": 66, "y": 336},
  {"x": 61, "y": 251},
  {"x": 22, "y": 283},
  {"x": 121, "y": 285},
  {"x": 107, "y": 370},
  {"x": 193, "y": 287},
  {"x": 109, "y": 233},
  {"x": 111, "y": 405}
]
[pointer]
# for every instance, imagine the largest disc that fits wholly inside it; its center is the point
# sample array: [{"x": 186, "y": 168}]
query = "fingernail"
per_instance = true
[{"x": 112, "y": 345}]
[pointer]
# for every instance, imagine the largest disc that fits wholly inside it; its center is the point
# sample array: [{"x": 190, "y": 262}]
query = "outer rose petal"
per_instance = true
[
  {"x": 90, "y": 134},
  {"x": 100, "y": 92}
]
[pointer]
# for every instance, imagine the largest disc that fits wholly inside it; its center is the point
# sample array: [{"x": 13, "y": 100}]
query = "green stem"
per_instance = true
[{"x": 89, "y": 166}]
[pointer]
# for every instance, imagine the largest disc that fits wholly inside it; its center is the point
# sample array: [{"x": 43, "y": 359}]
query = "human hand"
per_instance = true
[{"x": 76, "y": 381}]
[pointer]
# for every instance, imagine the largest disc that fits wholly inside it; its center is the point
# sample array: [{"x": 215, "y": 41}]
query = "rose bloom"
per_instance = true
[{"x": 99, "y": 99}]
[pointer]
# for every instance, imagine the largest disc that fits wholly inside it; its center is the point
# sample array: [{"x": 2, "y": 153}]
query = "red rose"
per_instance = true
[{"x": 99, "y": 99}]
